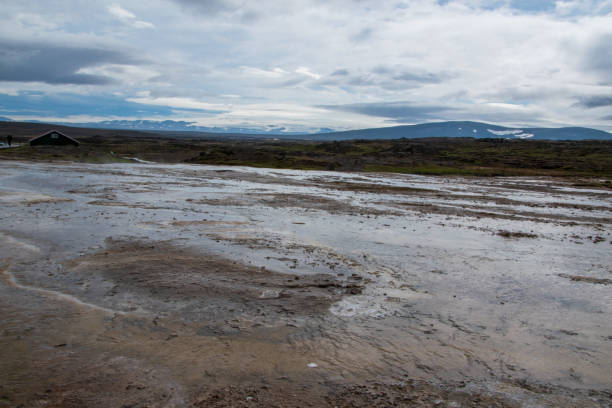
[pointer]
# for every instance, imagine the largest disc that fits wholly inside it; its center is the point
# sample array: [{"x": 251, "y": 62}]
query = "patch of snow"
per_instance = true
[
  {"x": 505, "y": 132},
  {"x": 5, "y": 146},
  {"x": 514, "y": 132}
]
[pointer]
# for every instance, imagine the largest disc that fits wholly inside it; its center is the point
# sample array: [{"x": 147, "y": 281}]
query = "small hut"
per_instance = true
[{"x": 53, "y": 138}]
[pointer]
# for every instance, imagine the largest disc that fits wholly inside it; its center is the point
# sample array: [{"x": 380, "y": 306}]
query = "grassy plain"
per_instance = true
[{"x": 433, "y": 156}]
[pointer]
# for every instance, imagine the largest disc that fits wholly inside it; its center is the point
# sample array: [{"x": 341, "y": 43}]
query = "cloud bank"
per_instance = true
[{"x": 309, "y": 64}]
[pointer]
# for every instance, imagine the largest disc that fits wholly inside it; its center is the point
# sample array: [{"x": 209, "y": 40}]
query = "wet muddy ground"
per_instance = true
[{"x": 142, "y": 285}]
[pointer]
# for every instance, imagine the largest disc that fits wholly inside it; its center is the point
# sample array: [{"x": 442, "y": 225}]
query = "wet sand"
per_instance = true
[{"x": 194, "y": 286}]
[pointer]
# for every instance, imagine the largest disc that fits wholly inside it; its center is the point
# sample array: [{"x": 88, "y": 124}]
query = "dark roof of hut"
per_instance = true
[{"x": 54, "y": 131}]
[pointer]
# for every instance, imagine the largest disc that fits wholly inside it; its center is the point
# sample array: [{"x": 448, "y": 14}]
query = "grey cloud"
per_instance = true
[
  {"x": 249, "y": 17},
  {"x": 408, "y": 112},
  {"x": 286, "y": 83},
  {"x": 207, "y": 6},
  {"x": 524, "y": 94},
  {"x": 215, "y": 8},
  {"x": 363, "y": 35},
  {"x": 55, "y": 64},
  {"x": 340, "y": 72},
  {"x": 396, "y": 111},
  {"x": 361, "y": 80},
  {"x": 292, "y": 82},
  {"x": 598, "y": 57},
  {"x": 383, "y": 77},
  {"x": 411, "y": 77},
  {"x": 424, "y": 76},
  {"x": 595, "y": 101},
  {"x": 381, "y": 69}
]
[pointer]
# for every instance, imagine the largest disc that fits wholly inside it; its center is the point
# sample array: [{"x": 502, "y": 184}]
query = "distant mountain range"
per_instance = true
[
  {"x": 476, "y": 130},
  {"x": 440, "y": 129},
  {"x": 175, "y": 126},
  {"x": 183, "y": 126}
]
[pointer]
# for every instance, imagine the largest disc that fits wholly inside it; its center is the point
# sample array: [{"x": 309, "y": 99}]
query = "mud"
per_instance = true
[
  {"x": 588, "y": 279},
  {"x": 191, "y": 286},
  {"x": 17, "y": 198},
  {"x": 302, "y": 201},
  {"x": 207, "y": 283},
  {"x": 510, "y": 234}
]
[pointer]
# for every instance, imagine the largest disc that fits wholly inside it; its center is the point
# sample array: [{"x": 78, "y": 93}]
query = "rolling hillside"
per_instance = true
[{"x": 468, "y": 129}]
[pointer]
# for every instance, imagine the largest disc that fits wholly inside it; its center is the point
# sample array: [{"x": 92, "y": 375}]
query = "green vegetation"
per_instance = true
[{"x": 464, "y": 157}]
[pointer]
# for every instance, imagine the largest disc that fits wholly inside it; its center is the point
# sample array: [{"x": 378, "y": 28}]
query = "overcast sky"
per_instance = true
[{"x": 308, "y": 64}]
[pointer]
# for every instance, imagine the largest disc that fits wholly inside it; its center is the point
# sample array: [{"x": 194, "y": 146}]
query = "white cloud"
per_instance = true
[
  {"x": 129, "y": 75},
  {"x": 128, "y": 17},
  {"x": 121, "y": 13},
  {"x": 258, "y": 72},
  {"x": 35, "y": 21},
  {"x": 142, "y": 24},
  {"x": 306, "y": 71},
  {"x": 177, "y": 102}
]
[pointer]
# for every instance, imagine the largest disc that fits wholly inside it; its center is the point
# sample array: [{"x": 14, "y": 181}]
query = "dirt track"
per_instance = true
[{"x": 178, "y": 286}]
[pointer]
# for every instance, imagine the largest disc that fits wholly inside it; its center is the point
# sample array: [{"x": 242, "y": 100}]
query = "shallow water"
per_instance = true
[{"x": 445, "y": 296}]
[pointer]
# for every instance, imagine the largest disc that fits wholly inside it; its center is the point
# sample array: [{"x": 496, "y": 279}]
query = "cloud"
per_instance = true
[
  {"x": 208, "y": 7},
  {"x": 307, "y": 72},
  {"x": 237, "y": 12},
  {"x": 127, "y": 17},
  {"x": 417, "y": 78},
  {"x": 180, "y": 103},
  {"x": 363, "y": 35},
  {"x": 596, "y": 101},
  {"x": 506, "y": 61},
  {"x": 279, "y": 77},
  {"x": 397, "y": 111},
  {"x": 383, "y": 77},
  {"x": 598, "y": 56},
  {"x": 120, "y": 12},
  {"x": 340, "y": 72},
  {"x": 263, "y": 73},
  {"x": 55, "y": 64}
]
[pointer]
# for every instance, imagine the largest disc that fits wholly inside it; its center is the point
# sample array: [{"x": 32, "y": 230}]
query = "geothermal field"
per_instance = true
[{"x": 150, "y": 285}]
